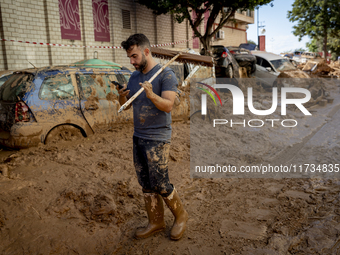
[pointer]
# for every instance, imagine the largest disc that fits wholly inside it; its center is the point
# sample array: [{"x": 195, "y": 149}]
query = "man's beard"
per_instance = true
[{"x": 142, "y": 65}]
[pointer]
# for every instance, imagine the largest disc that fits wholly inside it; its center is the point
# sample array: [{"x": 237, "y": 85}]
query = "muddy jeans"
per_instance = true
[{"x": 151, "y": 163}]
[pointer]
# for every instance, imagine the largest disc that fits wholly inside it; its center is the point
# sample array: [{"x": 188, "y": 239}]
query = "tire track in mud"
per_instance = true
[
  {"x": 290, "y": 153},
  {"x": 89, "y": 194}
]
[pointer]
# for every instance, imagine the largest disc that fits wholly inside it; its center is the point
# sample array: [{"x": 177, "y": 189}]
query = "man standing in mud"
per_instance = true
[{"x": 152, "y": 135}]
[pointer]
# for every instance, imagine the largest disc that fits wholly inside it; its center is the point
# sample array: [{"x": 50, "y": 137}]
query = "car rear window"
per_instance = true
[
  {"x": 218, "y": 50},
  {"x": 16, "y": 87},
  {"x": 4, "y": 79},
  {"x": 234, "y": 50}
]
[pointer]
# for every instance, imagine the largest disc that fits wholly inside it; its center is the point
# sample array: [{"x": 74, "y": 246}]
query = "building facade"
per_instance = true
[
  {"x": 40, "y": 21},
  {"x": 235, "y": 31}
]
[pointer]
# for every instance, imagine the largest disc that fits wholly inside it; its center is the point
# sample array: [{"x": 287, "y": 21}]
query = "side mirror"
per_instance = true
[{"x": 268, "y": 69}]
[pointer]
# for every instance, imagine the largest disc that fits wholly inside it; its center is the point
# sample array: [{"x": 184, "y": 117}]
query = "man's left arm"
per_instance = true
[{"x": 163, "y": 102}]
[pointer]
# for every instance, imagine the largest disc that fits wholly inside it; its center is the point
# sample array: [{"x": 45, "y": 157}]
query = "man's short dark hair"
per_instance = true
[{"x": 137, "y": 39}]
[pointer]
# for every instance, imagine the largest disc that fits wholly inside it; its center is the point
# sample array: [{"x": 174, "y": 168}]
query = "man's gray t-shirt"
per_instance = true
[{"x": 150, "y": 122}]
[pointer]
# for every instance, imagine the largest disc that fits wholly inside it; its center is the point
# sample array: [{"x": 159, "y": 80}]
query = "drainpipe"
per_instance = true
[
  {"x": 3, "y": 43},
  {"x": 113, "y": 31},
  {"x": 155, "y": 25},
  {"x": 83, "y": 28},
  {"x": 172, "y": 30},
  {"x": 48, "y": 36}
]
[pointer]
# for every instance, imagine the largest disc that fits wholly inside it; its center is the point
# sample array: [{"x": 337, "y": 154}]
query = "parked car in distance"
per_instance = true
[
  {"x": 244, "y": 58},
  {"x": 269, "y": 66},
  {"x": 42, "y": 104},
  {"x": 4, "y": 76},
  {"x": 306, "y": 56},
  {"x": 225, "y": 64},
  {"x": 248, "y": 46},
  {"x": 296, "y": 56}
]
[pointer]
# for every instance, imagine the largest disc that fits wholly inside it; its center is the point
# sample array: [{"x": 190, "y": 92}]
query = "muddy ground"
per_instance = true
[{"x": 82, "y": 197}]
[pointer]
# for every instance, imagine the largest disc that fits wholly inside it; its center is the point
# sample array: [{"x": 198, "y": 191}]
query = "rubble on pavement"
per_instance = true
[{"x": 320, "y": 68}]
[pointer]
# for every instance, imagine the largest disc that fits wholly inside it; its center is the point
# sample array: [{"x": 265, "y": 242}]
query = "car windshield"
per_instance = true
[
  {"x": 15, "y": 87},
  {"x": 282, "y": 65}
]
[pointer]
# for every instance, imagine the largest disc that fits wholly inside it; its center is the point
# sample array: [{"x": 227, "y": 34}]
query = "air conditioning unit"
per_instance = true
[{"x": 220, "y": 34}]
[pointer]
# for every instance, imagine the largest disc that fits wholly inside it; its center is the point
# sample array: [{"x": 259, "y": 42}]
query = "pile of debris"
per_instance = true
[
  {"x": 318, "y": 67},
  {"x": 320, "y": 88},
  {"x": 336, "y": 67}
]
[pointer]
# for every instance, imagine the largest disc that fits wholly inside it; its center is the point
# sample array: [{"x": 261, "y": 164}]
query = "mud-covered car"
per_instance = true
[
  {"x": 45, "y": 104},
  {"x": 248, "y": 46},
  {"x": 270, "y": 66},
  {"x": 225, "y": 64},
  {"x": 244, "y": 58}
]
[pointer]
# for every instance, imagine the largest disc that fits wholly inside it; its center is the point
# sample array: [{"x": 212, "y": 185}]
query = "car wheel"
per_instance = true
[
  {"x": 63, "y": 133},
  {"x": 229, "y": 72}
]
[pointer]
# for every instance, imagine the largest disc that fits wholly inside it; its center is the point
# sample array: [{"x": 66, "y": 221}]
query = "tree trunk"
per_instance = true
[
  {"x": 206, "y": 45},
  {"x": 325, "y": 43}
]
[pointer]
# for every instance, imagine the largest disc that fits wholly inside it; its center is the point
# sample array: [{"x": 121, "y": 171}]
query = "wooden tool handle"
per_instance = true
[{"x": 127, "y": 103}]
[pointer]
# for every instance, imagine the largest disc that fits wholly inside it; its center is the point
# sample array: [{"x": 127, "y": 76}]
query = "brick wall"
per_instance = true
[
  {"x": 22, "y": 22},
  {"x": 164, "y": 34},
  {"x": 234, "y": 35},
  {"x": 181, "y": 34},
  {"x": 39, "y": 21},
  {"x": 119, "y": 33}
]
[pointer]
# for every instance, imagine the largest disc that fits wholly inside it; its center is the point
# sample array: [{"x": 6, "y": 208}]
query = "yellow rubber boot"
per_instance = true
[
  {"x": 181, "y": 216},
  {"x": 155, "y": 210}
]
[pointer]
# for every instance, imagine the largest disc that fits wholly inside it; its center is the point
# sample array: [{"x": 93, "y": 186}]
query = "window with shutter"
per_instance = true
[{"x": 126, "y": 19}]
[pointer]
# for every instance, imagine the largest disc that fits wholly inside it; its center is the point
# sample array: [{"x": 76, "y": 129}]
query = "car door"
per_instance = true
[
  {"x": 262, "y": 73},
  {"x": 99, "y": 100},
  {"x": 56, "y": 102}
]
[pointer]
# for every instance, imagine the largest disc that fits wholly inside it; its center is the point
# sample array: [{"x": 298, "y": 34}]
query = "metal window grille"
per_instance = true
[{"x": 126, "y": 19}]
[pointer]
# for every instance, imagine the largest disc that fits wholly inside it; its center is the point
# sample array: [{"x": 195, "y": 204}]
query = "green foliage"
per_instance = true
[
  {"x": 183, "y": 10},
  {"x": 314, "y": 45},
  {"x": 333, "y": 44},
  {"x": 251, "y": 42},
  {"x": 316, "y": 19}
]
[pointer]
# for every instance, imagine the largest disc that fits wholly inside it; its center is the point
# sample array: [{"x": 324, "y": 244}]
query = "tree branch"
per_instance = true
[
  {"x": 192, "y": 24},
  {"x": 223, "y": 22}
]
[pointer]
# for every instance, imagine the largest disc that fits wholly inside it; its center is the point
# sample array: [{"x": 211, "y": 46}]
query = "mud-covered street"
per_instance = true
[
  {"x": 82, "y": 196},
  {"x": 248, "y": 91}
]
